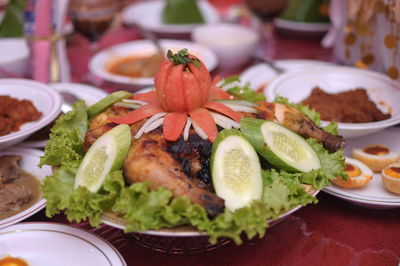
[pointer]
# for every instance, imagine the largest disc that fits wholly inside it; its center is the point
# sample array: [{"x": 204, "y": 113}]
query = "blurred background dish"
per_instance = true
[
  {"x": 384, "y": 92},
  {"x": 305, "y": 18},
  {"x": 147, "y": 15},
  {"x": 307, "y": 29},
  {"x": 46, "y": 100},
  {"x": 233, "y": 44},
  {"x": 14, "y": 54},
  {"x": 103, "y": 63},
  {"x": 84, "y": 92},
  {"x": 29, "y": 163},
  {"x": 374, "y": 194},
  {"x": 259, "y": 76},
  {"x": 35, "y": 243}
]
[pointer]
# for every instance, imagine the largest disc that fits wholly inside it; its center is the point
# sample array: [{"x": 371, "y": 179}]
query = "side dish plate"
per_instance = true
[
  {"x": 47, "y": 100},
  {"x": 29, "y": 162},
  {"x": 374, "y": 194},
  {"x": 57, "y": 244}
]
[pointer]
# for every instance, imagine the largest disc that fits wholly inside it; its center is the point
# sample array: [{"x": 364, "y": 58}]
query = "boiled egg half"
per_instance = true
[
  {"x": 376, "y": 156},
  {"x": 391, "y": 178},
  {"x": 358, "y": 174}
]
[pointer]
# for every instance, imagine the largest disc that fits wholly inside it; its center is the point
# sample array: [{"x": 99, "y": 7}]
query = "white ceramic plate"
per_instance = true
[
  {"x": 374, "y": 194},
  {"x": 297, "y": 85},
  {"x": 148, "y": 16},
  {"x": 29, "y": 162},
  {"x": 302, "y": 26},
  {"x": 99, "y": 63},
  {"x": 44, "y": 98},
  {"x": 89, "y": 94},
  {"x": 261, "y": 75},
  {"x": 56, "y": 244}
]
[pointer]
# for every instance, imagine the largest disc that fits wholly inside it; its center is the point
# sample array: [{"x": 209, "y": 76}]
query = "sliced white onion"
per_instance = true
[
  {"x": 225, "y": 121},
  {"x": 186, "y": 129},
  {"x": 219, "y": 83},
  {"x": 154, "y": 125},
  {"x": 199, "y": 131},
  {"x": 128, "y": 105},
  {"x": 230, "y": 85},
  {"x": 134, "y": 101},
  {"x": 241, "y": 108},
  {"x": 147, "y": 123},
  {"x": 221, "y": 122},
  {"x": 238, "y": 102}
]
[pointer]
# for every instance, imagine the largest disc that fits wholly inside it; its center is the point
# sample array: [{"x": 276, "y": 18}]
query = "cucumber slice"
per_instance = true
[
  {"x": 235, "y": 170},
  {"x": 106, "y": 102},
  {"x": 280, "y": 146},
  {"x": 106, "y": 154}
]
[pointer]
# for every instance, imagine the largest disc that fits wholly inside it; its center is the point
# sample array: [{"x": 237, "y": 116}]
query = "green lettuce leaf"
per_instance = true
[
  {"x": 332, "y": 165},
  {"x": 80, "y": 204},
  {"x": 244, "y": 92},
  {"x": 312, "y": 114},
  {"x": 65, "y": 147}
]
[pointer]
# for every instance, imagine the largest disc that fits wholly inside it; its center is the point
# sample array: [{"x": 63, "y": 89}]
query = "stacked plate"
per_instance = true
[{"x": 373, "y": 195}]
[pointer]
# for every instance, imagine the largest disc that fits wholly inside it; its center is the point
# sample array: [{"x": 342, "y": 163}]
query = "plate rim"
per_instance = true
[{"x": 77, "y": 232}]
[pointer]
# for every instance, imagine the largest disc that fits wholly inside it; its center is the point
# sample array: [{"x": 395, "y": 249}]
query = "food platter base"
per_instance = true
[{"x": 178, "y": 245}]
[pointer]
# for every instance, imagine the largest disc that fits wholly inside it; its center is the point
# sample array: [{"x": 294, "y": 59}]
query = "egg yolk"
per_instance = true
[
  {"x": 11, "y": 261},
  {"x": 377, "y": 150},
  {"x": 393, "y": 172},
  {"x": 352, "y": 170}
]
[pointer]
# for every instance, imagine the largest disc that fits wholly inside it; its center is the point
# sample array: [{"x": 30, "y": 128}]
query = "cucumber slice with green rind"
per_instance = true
[
  {"x": 106, "y": 154},
  {"x": 280, "y": 146},
  {"x": 235, "y": 170},
  {"x": 106, "y": 102}
]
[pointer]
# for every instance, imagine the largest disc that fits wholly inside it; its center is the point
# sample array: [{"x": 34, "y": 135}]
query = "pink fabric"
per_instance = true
[
  {"x": 43, "y": 20},
  {"x": 41, "y": 60}
]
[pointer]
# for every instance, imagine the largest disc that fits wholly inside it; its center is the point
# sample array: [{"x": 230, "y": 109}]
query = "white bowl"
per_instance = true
[
  {"x": 148, "y": 16},
  {"x": 14, "y": 54},
  {"x": 297, "y": 85},
  {"x": 47, "y": 100},
  {"x": 99, "y": 63},
  {"x": 233, "y": 44}
]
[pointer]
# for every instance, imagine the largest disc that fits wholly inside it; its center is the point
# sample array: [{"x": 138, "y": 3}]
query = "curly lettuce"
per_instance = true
[{"x": 65, "y": 147}]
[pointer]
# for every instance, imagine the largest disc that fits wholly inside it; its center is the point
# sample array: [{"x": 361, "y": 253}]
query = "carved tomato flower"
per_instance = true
[{"x": 184, "y": 96}]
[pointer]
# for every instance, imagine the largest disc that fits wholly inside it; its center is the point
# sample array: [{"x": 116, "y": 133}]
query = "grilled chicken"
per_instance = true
[
  {"x": 151, "y": 159},
  {"x": 183, "y": 166},
  {"x": 298, "y": 122}
]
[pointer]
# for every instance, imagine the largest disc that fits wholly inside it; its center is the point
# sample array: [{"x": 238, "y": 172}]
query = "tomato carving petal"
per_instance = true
[
  {"x": 223, "y": 109},
  {"x": 173, "y": 125},
  {"x": 148, "y": 97},
  {"x": 173, "y": 88},
  {"x": 205, "y": 121},
  {"x": 192, "y": 93},
  {"x": 138, "y": 114},
  {"x": 219, "y": 94}
]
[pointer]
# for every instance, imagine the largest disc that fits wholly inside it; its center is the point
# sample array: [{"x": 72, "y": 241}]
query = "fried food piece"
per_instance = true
[{"x": 149, "y": 161}]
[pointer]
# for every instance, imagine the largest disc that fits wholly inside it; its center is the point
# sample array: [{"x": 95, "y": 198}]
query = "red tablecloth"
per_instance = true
[{"x": 332, "y": 232}]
